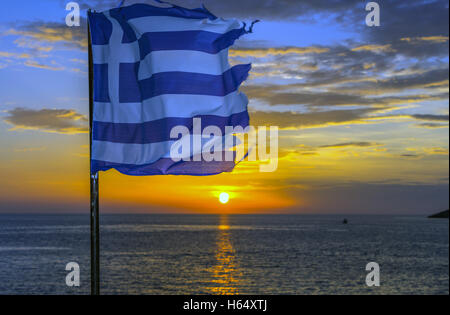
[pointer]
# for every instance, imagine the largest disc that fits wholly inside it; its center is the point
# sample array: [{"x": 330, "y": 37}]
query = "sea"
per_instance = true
[{"x": 226, "y": 254}]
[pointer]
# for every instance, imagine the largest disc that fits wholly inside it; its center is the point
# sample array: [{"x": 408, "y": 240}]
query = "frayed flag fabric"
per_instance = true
[{"x": 156, "y": 69}]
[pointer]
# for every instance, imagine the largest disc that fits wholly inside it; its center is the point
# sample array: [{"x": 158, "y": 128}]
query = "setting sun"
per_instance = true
[{"x": 224, "y": 198}]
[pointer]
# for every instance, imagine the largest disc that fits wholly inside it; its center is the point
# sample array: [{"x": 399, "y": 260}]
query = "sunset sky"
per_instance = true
[{"x": 363, "y": 112}]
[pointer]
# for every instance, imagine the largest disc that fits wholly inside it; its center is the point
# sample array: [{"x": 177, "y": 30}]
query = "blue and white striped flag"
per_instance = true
[{"x": 155, "y": 69}]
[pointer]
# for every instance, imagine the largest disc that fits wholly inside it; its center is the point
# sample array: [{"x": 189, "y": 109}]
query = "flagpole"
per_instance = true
[{"x": 94, "y": 213}]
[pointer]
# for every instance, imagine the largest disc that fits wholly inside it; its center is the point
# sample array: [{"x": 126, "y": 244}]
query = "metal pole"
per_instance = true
[{"x": 95, "y": 226}]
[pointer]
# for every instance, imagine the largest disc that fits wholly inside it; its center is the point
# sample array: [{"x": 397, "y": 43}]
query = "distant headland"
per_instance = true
[{"x": 440, "y": 215}]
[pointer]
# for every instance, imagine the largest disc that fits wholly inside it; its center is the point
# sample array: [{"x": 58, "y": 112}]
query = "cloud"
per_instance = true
[
  {"x": 432, "y": 121},
  {"x": 264, "y": 52},
  {"x": 34, "y": 45},
  {"x": 277, "y": 95},
  {"x": 431, "y": 126},
  {"x": 321, "y": 119},
  {"x": 343, "y": 76},
  {"x": 375, "y": 48},
  {"x": 31, "y": 149},
  {"x": 293, "y": 120},
  {"x": 39, "y": 35},
  {"x": 442, "y": 118},
  {"x": 35, "y": 64},
  {"x": 411, "y": 156},
  {"x": 76, "y": 60},
  {"x": 414, "y": 81},
  {"x": 432, "y": 39},
  {"x": 424, "y": 79},
  {"x": 12, "y": 58},
  {"x": 6, "y": 54},
  {"x": 436, "y": 151},
  {"x": 351, "y": 144},
  {"x": 48, "y": 120},
  {"x": 281, "y": 95}
]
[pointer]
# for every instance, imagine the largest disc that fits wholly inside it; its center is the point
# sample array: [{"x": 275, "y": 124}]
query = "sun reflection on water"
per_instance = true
[{"x": 225, "y": 273}]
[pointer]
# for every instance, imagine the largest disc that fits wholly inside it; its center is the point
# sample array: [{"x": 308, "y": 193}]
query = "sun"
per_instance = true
[{"x": 224, "y": 198}]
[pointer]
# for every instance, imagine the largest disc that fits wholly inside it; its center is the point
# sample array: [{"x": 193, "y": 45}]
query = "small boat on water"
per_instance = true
[{"x": 345, "y": 221}]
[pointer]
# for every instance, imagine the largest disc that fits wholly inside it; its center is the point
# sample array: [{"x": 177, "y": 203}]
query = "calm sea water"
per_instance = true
[{"x": 184, "y": 254}]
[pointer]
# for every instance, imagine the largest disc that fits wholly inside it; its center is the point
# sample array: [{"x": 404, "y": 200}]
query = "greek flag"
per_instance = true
[{"x": 156, "y": 69}]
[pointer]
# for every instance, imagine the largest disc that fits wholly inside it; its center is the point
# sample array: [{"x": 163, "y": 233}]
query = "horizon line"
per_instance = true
[{"x": 221, "y": 214}]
